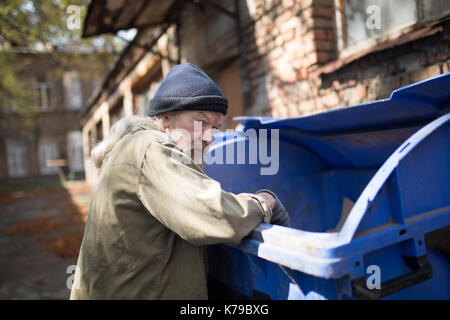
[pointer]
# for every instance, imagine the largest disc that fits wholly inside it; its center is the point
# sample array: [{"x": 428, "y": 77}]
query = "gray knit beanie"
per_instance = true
[{"x": 187, "y": 87}]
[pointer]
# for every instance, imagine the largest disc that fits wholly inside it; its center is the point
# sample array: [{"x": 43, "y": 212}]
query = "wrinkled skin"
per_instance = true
[{"x": 193, "y": 131}]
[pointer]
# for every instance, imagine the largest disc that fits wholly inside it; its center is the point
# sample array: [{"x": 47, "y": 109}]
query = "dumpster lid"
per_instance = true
[{"x": 413, "y": 104}]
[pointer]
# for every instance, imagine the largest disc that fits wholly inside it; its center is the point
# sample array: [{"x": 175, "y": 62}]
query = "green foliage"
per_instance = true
[
  {"x": 45, "y": 24},
  {"x": 24, "y": 23}
]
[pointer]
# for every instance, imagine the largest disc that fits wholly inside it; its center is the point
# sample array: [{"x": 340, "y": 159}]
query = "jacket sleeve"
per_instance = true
[{"x": 184, "y": 199}]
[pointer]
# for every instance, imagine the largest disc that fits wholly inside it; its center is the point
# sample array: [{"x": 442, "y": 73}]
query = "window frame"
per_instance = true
[
  {"x": 345, "y": 52},
  {"x": 15, "y": 147},
  {"x": 69, "y": 80},
  {"x": 38, "y": 86}
]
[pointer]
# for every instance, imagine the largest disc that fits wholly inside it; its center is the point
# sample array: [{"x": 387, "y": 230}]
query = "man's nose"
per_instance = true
[{"x": 208, "y": 136}]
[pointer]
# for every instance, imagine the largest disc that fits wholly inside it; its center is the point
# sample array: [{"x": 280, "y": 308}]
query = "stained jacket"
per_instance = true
[{"x": 152, "y": 213}]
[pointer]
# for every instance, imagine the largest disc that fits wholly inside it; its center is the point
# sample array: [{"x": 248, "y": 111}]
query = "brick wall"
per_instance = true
[
  {"x": 286, "y": 44},
  {"x": 375, "y": 76}
]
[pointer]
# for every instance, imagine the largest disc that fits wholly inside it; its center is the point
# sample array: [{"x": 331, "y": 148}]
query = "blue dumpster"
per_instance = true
[{"x": 368, "y": 191}]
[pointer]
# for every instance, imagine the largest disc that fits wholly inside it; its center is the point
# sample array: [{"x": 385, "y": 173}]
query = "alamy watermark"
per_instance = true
[
  {"x": 73, "y": 281},
  {"x": 374, "y": 280},
  {"x": 374, "y": 19},
  {"x": 74, "y": 17},
  {"x": 257, "y": 142}
]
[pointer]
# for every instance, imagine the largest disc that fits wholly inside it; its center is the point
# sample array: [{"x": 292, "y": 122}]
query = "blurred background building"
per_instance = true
[
  {"x": 277, "y": 58},
  {"x": 44, "y": 143}
]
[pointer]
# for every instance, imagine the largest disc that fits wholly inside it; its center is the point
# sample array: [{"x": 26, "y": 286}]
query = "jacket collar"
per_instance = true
[{"x": 148, "y": 124}]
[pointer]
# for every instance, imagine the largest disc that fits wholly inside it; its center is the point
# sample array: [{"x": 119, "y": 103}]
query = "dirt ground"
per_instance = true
[{"x": 40, "y": 236}]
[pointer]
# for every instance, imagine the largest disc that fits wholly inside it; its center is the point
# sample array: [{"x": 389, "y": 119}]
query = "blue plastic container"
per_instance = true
[{"x": 368, "y": 191}]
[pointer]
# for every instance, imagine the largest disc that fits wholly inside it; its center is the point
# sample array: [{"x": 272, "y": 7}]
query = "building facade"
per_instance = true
[
  {"x": 277, "y": 58},
  {"x": 45, "y": 134}
]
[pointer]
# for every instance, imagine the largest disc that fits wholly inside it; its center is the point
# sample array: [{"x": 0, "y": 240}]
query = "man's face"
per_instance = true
[{"x": 194, "y": 130}]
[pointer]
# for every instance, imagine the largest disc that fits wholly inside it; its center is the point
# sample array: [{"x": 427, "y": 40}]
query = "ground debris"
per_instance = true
[{"x": 60, "y": 212}]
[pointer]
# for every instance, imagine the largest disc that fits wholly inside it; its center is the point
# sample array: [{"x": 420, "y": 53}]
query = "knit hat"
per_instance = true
[{"x": 187, "y": 87}]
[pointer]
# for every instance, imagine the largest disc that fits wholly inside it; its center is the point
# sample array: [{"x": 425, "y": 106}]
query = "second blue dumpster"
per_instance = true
[{"x": 368, "y": 191}]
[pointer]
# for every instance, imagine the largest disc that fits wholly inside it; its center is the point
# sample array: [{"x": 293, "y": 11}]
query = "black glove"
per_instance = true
[{"x": 280, "y": 215}]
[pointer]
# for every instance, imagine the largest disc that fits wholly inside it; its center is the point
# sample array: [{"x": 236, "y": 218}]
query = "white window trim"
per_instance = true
[
  {"x": 73, "y": 90},
  {"x": 43, "y": 105}
]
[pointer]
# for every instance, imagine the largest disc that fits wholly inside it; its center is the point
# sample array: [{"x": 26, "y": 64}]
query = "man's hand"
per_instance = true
[
  {"x": 270, "y": 200},
  {"x": 280, "y": 215}
]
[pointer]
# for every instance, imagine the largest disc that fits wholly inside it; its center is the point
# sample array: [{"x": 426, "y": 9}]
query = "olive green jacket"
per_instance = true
[{"x": 151, "y": 216}]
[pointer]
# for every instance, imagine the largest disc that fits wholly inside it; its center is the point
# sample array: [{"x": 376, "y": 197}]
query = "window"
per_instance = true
[
  {"x": 75, "y": 151},
  {"x": 42, "y": 96},
  {"x": 17, "y": 153},
  {"x": 73, "y": 95},
  {"x": 359, "y": 21},
  {"x": 48, "y": 150},
  {"x": 434, "y": 8}
]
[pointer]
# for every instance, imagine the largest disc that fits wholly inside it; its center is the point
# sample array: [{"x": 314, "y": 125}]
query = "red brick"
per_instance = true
[
  {"x": 302, "y": 73},
  {"x": 306, "y": 13},
  {"x": 307, "y": 107},
  {"x": 276, "y": 53},
  {"x": 354, "y": 95},
  {"x": 424, "y": 73},
  {"x": 285, "y": 71},
  {"x": 284, "y": 17},
  {"x": 308, "y": 46},
  {"x": 330, "y": 34},
  {"x": 320, "y": 34},
  {"x": 305, "y": 4},
  {"x": 350, "y": 83},
  {"x": 312, "y": 71},
  {"x": 310, "y": 59},
  {"x": 337, "y": 85},
  {"x": 325, "y": 12},
  {"x": 289, "y": 35},
  {"x": 330, "y": 100},
  {"x": 293, "y": 50},
  {"x": 323, "y": 57},
  {"x": 288, "y": 3},
  {"x": 269, "y": 27},
  {"x": 318, "y": 104},
  {"x": 293, "y": 110},
  {"x": 324, "y": 45},
  {"x": 359, "y": 93}
]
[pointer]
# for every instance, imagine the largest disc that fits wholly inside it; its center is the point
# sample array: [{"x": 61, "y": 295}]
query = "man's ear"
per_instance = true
[{"x": 165, "y": 123}]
